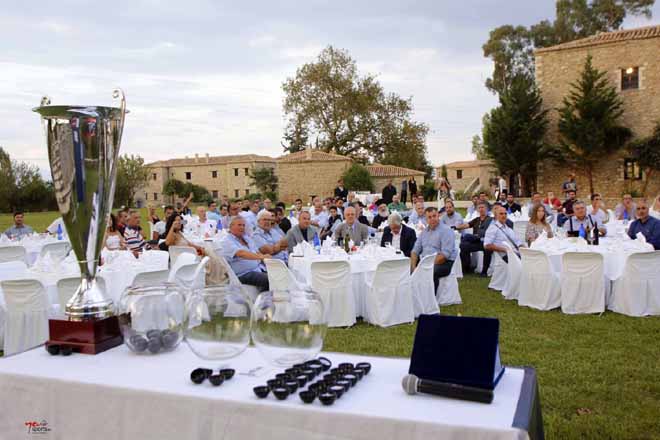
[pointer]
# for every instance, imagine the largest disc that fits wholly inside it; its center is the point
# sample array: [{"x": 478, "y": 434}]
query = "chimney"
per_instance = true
[
  {"x": 196, "y": 157},
  {"x": 308, "y": 153},
  {"x": 207, "y": 157}
]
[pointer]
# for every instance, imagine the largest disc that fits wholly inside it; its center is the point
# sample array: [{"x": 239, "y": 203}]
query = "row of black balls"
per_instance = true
[
  {"x": 331, "y": 387},
  {"x": 199, "y": 375}
]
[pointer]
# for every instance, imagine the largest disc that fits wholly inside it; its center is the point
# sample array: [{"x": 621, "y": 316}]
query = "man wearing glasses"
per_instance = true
[
  {"x": 269, "y": 238},
  {"x": 647, "y": 225}
]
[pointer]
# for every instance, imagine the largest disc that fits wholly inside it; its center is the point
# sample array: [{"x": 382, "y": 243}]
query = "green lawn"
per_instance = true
[{"x": 599, "y": 376}]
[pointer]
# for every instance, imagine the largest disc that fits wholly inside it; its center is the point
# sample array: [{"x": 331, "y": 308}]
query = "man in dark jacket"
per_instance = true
[
  {"x": 341, "y": 191},
  {"x": 388, "y": 192},
  {"x": 475, "y": 242},
  {"x": 400, "y": 236}
]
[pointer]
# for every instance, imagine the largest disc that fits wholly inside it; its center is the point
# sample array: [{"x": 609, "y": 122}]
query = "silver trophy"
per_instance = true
[{"x": 83, "y": 151}]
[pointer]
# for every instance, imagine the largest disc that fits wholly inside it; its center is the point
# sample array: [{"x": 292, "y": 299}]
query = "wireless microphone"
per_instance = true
[{"x": 413, "y": 385}]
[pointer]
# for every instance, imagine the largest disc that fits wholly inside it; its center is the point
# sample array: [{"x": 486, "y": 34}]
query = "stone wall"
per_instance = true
[
  {"x": 470, "y": 170},
  {"x": 557, "y": 70},
  {"x": 306, "y": 178}
]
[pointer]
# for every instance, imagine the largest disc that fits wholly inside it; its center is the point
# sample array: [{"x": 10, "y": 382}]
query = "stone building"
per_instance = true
[
  {"x": 382, "y": 174},
  {"x": 631, "y": 59},
  {"x": 221, "y": 175},
  {"x": 470, "y": 175}
]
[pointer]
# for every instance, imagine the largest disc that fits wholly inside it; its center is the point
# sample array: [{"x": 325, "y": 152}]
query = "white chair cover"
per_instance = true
[
  {"x": 520, "y": 227},
  {"x": 26, "y": 323},
  {"x": 12, "y": 253},
  {"x": 514, "y": 268},
  {"x": 389, "y": 300},
  {"x": 637, "y": 291},
  {"x": 175, "y": 251},
  {"x": 583, "y": 286},
  {"x": 189, "y": 275},
  {"x": 457, "y": 268},
  {"x": 157, "y": 260},
  {"x": 448, "y": 293},
  {"x": 539, "y": 285},
  {"x": 150, "y": 278},
  {"x": 250, "y": 291},
  {"x": 477, "y": 260},
  {"x": 500, "y": 273},
  {"x": 12, "y": 270},
  {"x": 280, "y": 277},
  {"x": 59, "y": 250},
  {"x": 332, "y": 281},
  {"x": 66, "y": 287},
  {"x": 421, "y": 280}
]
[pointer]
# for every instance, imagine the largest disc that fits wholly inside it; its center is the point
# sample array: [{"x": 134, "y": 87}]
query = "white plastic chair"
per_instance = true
[
  {"x": 448, "y": 293},
  {"x": 637, "y": 291},
  {"x": 12, "y": 253},
  {"x": 150, "y": 278},
  {"x": 66, "y": 287},
  {"x": 511, "y": 288},
  {"x": 156, "y": 259},
  {"x": 190, "y": 275},
  {"x": 389, "y": 300},
  {"x": 280, "y": 277},
  {"x": 520, "y": 227},
  {"x": 332, "y": 281},
  {"x": 539, "y": 284},
  {"x": 26, "y": 322},
  {"x": 175, "y": 251},
  {"x": 500, "y": 273},
  {"x": 423, "y": 295},
  {"x": 59, "y": 249},
  {"x": 12, "y": 270},
  {"x": 583, "y": 285},
  {"x": 251, "y": 291}
]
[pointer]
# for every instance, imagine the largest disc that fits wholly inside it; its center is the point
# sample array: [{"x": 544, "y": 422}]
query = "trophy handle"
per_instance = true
[
  {"x": 119, "y": 94},
  {"x": 45, "y": 100}
]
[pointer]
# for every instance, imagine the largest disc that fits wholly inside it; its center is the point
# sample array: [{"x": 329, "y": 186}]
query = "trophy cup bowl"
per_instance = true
[{"x": 83, "y": 150}]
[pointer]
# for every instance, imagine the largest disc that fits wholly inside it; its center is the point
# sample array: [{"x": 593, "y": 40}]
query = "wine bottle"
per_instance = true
[{"x": 596, "y": 240}]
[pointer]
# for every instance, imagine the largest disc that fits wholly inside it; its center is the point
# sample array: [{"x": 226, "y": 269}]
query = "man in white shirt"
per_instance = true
[
  {"x": 418, "y": 215},
  {"x": 451, "y": 218},
  {"x": 499, "y": 233},
  {"x": 319, "y": 217},
  {"x": 205, "y": 227},
  {"x": 596, "y": 208}
]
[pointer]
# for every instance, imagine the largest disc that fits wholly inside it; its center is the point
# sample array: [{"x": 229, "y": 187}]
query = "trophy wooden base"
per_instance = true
[{"x": 88, "y": 337}]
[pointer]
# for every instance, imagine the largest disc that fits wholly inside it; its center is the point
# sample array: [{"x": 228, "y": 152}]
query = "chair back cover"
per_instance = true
[
  {"x": 500, "y": 273},
  {"x": 448, "y": 293},
  {"x": 279, "y": 276},
  {"x": 12, "y": 270},
  {"x": 582, "y": 283},
  {"x": 423, "y": 294},
  {"x": 250, "y": 291},
  {"x": 176, "y": 251},
  {"x": 26, "y": 322},
  {"x": 157, "y": 260},
  {"x": 514, "y": 268},
  {"x": 520, "y": 227},
  {"x": 332, "y": 281},
  {"x": 12, "y": 253},
  {"x": 637, "y": 291},
  {"x": 150, "y": 278},
  {"x": 539, "y": 285},
  {"x": 389, "y": 300},
  {"x": 59, "y": 249},
  {"x": 190, "y": 275}
]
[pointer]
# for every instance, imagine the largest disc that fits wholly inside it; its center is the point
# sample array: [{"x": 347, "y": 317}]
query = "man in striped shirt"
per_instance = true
[{"x": 133, "y": 233}]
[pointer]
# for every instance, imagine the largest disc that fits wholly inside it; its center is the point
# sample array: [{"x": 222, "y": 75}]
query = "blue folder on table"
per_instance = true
[{"x": 455, "y": 349}]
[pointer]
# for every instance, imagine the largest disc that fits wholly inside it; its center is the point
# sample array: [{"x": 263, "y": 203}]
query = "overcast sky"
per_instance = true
[{"x": 205, "y": 77}]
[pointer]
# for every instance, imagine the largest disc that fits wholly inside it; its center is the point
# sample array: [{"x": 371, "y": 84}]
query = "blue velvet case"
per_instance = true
[{"x": 455, "y": 349}]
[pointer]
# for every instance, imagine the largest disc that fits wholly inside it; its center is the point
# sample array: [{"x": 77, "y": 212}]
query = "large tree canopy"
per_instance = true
[
  {"x": 329, "y": 105},
  {"x": 132, "y": 175},
  {"x": 511, "y": 47}
]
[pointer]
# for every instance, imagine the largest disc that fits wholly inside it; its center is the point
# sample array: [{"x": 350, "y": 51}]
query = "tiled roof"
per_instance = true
[
  {"x": 607, "y": 37},
  {"x": 312, "y": 156},
  {"x": 469, "y": 163},
  {"x": 378, "y": 170},
  {"x": 211, "y": 160}
]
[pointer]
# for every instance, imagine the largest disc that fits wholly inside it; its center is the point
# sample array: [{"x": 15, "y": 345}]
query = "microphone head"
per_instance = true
[{"x": 409, "y": 383}]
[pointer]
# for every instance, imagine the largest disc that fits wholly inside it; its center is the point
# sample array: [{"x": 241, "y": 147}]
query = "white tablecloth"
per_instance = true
[
  {"x": 118, "y": 394},
  {"x": 32, "y": 244}
]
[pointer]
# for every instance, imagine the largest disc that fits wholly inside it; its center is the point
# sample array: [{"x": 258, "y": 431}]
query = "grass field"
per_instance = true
[{"x": 599, "y": 376}]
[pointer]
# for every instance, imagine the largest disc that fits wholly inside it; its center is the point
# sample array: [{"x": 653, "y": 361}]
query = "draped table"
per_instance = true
[
  {"x": 118, "y": 394},
  {"x": 32, "y": 244}
]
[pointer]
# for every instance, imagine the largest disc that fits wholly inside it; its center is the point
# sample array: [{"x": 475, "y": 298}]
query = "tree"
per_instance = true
[
  {"x": 357, "y": 178},
  {"x": 478, "y": 145},
  {"x": 266, "y": 181},
  {"x": 330, "y": 106},
  {"x": 646, "y": 152},
  {"x": 173, "y": 187},
  {"x": 512, "y": 47},
  {"x": 589, "y": 121},
  {"x": 7, "y": 181},
  {"x": 22, "y": 187},
  {"x": 132, "y": 176},
  {"x": 513, "y": 136},
  {"x": 443, "y": 171}
]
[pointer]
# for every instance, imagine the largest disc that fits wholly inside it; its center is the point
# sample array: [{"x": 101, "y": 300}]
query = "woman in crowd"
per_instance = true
[
  {"x": 113, "y": 239},
  {"x": 655, "y": 207},
  {"x": 444, "y": 190},
  {"x": 537, "y": 224}
]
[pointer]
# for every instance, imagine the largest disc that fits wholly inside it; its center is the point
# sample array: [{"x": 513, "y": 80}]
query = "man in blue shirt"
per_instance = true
[
  {"x": 437, "y": 239},
  {"x": 269, "y": 238},
  {"x": 499, "y": 233},
  {"x": 20, "y": 228},
  {"x": 243, "y": 256},
  {"x": 647, "y": 225}
]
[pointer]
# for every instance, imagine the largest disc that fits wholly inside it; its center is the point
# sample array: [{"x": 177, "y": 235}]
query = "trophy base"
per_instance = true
[{"x": 87, "y": 337}]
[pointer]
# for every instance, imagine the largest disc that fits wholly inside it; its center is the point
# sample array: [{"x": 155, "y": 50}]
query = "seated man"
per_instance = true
[
  {"x": 381, "y": 216},
  {"x": 396, "y": 204},
  {"x": 552, "y": 201},
  {"x": 360, "y": 215},
  {"x": 437, "y": 239},
  {"x": 483, "y": 197},
  {"x": 398, "y": 235},
  {"x": 499, "y": 233},
  {"x": 596, "y": 208},
  {"x": 351, "y": 228},
  {"x": 319, "y": 217},
  {"x": 205, "y": 227},
  {"x": 511, "y": 205},
  {"x": 334, "y": 220},
  {"x": 159, "y": 228},
  {"x": 133, "y": 233},
  {"x": 473, "y": 209},
  {"x": 627, "y": 209},
  {"x": 566, "y": 208},
  {"x": 269, "y": 238},
  {"x": 250, "y": 216},
  {"x": 242, "y": 254},
  {"x": 581, "y": 218},
  {"x": 647, "y": 225},
  {"x": 19, "y": 229},
  {"x": 303, "y": 231},
  {"x": 475, "y": 242},
  {"x": 451, "y": 218},
  {"x": 212, "y": 213},
  {"x": 283, "y": 223},
  {"x": 418, "y": 215}
]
